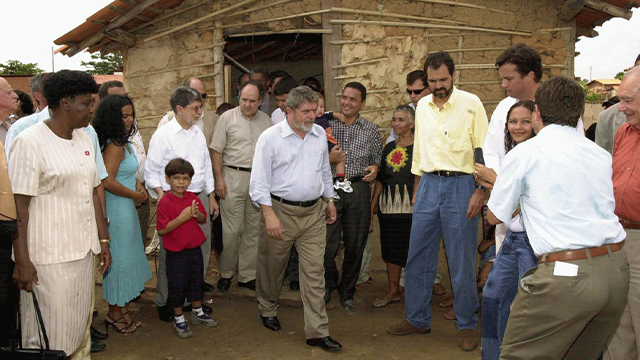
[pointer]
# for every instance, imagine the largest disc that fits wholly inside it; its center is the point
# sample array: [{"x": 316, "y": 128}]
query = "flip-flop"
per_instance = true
[
  {"x": 382, "y": 302},
  {"x": 448, "y": 316},
  {"x": 443, "y": 304}
]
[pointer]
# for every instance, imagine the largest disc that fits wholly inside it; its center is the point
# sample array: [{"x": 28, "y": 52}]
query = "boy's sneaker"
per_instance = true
[
  {"x": 203, "y": 319},
  {"x": 344, "y": 185},
  {"x": 182, "y": 329}
]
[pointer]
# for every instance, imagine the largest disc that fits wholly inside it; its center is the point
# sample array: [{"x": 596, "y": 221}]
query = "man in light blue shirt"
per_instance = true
[{"x": 290, "y": 176}]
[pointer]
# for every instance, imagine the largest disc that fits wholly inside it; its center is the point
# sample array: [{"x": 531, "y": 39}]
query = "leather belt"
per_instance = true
[
  {"x": 308, "y": 203},
  {"x": 579, "y": 254},
  {"x": 444, "y": 173},
  {"x": 240, "y": 168},
  {"x": 629, "y": 224}
]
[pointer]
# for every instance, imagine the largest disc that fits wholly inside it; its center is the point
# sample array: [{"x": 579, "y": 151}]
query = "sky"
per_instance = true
[{"x": 32, "y": 31}]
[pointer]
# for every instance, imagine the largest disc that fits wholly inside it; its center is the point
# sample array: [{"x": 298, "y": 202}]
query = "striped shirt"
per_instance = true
[{"x": 60, "y": 176}]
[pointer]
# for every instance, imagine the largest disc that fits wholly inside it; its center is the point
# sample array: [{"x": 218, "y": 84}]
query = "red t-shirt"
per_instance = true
[{"x": 188, "y": 235}]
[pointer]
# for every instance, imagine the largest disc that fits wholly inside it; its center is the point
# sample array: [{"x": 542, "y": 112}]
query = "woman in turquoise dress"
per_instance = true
[{"x": 125, "y": 279}]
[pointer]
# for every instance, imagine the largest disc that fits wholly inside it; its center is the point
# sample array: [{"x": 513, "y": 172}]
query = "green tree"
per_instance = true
[
  {"x": 15, "y": 67},
  {"x": 620, "y": 75},
  {"x": 104, "y": 64}
]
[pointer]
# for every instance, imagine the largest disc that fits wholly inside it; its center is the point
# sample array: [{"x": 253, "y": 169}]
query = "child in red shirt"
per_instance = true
[{"x": 179, "y": 212}]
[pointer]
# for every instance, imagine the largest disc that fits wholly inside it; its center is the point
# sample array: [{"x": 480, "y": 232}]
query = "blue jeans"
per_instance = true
[
  {"x": 515, "y": 257},
  {"x": 441, "y": 209}
]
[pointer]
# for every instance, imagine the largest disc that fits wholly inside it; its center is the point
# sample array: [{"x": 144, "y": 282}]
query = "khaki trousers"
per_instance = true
[
  {"x": 307, "y": 229},
  {"x": 560, "y": 317},
  {"x": 240, "y": 227},
  {"x": 624, "y": 343}
]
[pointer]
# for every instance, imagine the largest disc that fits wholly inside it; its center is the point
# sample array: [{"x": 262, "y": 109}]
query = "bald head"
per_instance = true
[
  {"x": 629, "y": 94},
  {"x": 8, "y": 99},
  {"x": 197, "y": 85}
]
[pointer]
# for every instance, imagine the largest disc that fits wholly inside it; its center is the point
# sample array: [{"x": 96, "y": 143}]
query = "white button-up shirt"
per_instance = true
[
  {"x": 172, "y": 141},
  {"x": 562, "y": 181},
  {"x": 289, "y": 166},
  {"x": 277, "y": 116},
  {"x": 60, "y": 175}
]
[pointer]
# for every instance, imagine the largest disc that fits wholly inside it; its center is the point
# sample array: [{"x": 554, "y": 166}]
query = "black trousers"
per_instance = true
[
  {"x": 184, "y": 276},
  {"x": 8, "y": 293},
  {"x": 352, "y": 224}
]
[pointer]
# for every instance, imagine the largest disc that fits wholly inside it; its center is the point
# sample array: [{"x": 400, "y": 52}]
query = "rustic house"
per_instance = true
[
  {"x": 606, "y": 88},
  {"x": 376, "y": 42}
]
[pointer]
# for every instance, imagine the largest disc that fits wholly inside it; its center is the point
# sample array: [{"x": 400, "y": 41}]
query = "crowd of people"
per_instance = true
[{"x": 276, "y": 184}]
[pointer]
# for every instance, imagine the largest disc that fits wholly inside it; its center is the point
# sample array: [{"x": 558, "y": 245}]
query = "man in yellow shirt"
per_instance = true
[{"x": 450, "y": 123}]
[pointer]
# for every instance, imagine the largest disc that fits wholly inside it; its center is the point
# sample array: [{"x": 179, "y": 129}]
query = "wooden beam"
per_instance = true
[
  {"x": 236, "y": 64},
  {"x": 201, "y": 19},
  {"x": 393, "y": 15},
  {"x": 289, "y": 31},
  {"x": 125, "y": 18},
  {"x": 218, "y": 58},
  {"x": 431, "y": 26},
  {"x": 278, "y": 19},
  {"x": 168, "y": 15},
  {"x": 469, "y": 5},
  {"x": 608, "y": 9},
  {"x": 331, "y": 56},
  {"x": 570, "y": 9}
]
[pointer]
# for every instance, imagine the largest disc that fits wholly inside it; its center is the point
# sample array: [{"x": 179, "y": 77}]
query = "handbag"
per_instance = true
[{"x": 17, "y": 352}]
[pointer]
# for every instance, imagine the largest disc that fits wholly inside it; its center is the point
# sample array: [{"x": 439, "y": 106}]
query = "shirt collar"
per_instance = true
[
  {"x": 175, "y": 127},
  {"x": 451, "y": 102},
  {"x": 287, "y": 130}
]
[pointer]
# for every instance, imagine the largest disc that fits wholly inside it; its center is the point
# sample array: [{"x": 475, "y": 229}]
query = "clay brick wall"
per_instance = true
[{"x": 152, "y": 69}]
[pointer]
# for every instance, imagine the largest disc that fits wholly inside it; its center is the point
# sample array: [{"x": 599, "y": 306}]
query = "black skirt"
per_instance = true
[{"x": 395, "y": 231}]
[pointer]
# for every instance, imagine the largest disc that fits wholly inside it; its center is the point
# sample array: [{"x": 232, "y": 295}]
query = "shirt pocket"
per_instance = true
[{"x": 456, "y": 140}]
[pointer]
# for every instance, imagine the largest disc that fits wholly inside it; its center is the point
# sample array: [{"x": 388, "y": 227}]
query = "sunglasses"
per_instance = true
[
  {"x": 416, "y": 92},
  {"x": 204, "y": 96}
]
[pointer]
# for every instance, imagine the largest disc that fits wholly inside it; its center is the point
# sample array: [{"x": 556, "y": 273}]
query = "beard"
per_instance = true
[
  {"x": 304, "y": 126},
  {"x": 442, "y": 92}
]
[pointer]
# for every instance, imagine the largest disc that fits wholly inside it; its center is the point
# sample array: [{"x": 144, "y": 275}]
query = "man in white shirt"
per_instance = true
[
  {"x": 291, "y": 176},
  {"x": 181, "y": 139},
  {"x": 280, "y": 92},
  {"x": 520, "y": 68},
  {"x": 570, "y": 304}
]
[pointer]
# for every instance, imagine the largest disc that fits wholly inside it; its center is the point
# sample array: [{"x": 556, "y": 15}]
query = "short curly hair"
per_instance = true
[
  {"x": 107, "y": 120},
  {"x": 68, "y": 84}
]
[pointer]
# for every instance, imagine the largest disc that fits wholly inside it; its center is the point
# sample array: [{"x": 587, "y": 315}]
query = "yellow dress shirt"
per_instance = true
[{"x": 445, "y": 139}]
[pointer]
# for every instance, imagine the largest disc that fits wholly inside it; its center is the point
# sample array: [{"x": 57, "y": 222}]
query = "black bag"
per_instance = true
[{"x": 17, "y": 352}]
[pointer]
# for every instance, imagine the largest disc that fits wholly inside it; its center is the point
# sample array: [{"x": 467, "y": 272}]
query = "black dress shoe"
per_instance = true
[
  {"x": 327, "y": 296},
  {"x": 271, "y": 322},
  {"x": 294, "y": 285},
  {"x": 97, "y": 334},
  {"x": 224, "y": 284},
  {"x": 97, "y": 346},
  {"x": 165, "y": 313},
  {"x": 251, "y": 285},
  {"x": 206, "y": 287},
  {"x": 326, "y": 343}
]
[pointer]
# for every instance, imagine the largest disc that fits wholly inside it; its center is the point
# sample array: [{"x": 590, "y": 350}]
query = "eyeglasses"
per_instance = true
[
  {"x": 416, "y": 92},
  {"x": 204, "y": 96}
]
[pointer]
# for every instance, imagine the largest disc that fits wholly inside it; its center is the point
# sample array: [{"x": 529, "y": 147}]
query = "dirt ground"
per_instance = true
[{"x": 240, "y": 334}]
